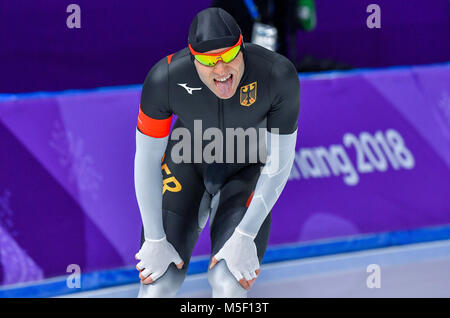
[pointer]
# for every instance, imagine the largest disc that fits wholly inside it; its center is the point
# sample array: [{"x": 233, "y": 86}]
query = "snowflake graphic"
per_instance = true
[
  {"x": 72, "y": 155},
  {"x": 444, "y": 107},
  {"x": 6, "y": 213},
  {"x": 18, "y": 266}
]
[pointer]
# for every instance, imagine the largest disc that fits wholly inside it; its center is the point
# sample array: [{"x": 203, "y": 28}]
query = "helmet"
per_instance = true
[{"x": 212, "y": 29}]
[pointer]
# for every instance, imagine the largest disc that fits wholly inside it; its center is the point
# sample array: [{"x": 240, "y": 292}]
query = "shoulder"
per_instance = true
[
  {"x": 284, "y": 77},
  {"x": 269, "y": 59},
  {"x": 154, "y": 96},
  {"x": 280, "y": 69},
  {"x": 155, "y": 89},
  {"x": 159, "y": 73}
]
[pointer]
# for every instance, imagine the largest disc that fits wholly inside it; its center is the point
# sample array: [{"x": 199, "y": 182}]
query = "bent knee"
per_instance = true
[
  {"x": 223, "y": 283},
  {"x": 166, "y": 286}
]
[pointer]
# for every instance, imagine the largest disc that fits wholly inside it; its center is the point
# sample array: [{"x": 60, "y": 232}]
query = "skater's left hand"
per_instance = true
[{"x": 239, "y": 253}]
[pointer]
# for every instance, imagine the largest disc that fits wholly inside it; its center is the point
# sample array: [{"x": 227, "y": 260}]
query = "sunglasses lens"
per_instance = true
[
  {"x": 206, "y": 59},
  {"x": 230, "y": 55},
  {"x": 211, "y": 60}
]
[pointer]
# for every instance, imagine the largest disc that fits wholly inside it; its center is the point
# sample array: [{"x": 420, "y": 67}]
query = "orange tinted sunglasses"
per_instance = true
[{"x": 211, "y": 59}]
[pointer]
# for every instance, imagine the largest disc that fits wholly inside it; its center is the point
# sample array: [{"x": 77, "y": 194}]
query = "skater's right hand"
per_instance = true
[{"x": 155, "y": 257}]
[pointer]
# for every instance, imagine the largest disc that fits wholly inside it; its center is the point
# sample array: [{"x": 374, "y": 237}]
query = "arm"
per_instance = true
[
  {"x": 280, "y": 139},
  {"x": 240, "y": 251},
  {"x": 148, "y": 183},
  {"x": 152, "y": 133},
  {"x": 280, "y": 154}
]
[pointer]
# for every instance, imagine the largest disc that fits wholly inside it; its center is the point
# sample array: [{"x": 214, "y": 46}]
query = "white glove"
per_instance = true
[
  {"x": 240, "y": 255},
  {"x": 155, "y": 257}
]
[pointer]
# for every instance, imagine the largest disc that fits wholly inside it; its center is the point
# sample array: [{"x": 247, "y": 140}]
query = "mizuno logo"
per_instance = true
[{"x": 189, "y": 89}]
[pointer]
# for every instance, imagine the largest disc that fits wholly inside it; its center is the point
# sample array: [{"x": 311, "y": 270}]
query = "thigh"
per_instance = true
[
  {"x": 183, "y": 192},
  {"x": 235, "y": 196}
]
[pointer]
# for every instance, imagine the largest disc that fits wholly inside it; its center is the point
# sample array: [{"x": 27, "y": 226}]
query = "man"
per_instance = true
[{"x": 223, "y": 84}]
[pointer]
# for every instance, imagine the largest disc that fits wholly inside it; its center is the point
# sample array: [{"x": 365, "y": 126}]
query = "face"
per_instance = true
[{"x": 223, "y": 78}]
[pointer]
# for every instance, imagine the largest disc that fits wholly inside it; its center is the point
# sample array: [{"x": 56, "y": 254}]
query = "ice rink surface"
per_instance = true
[{"x": 418, "y": 270}]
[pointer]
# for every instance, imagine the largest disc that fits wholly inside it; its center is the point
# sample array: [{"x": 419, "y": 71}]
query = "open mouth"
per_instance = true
[{"x": 224, "y": 84}]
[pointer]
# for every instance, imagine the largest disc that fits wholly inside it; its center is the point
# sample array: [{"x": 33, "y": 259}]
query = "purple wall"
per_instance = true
[
  {"x": 412, "y": 32},
  {"x": 66, "y": 169},
  {"x": 119, "y": 41}
]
